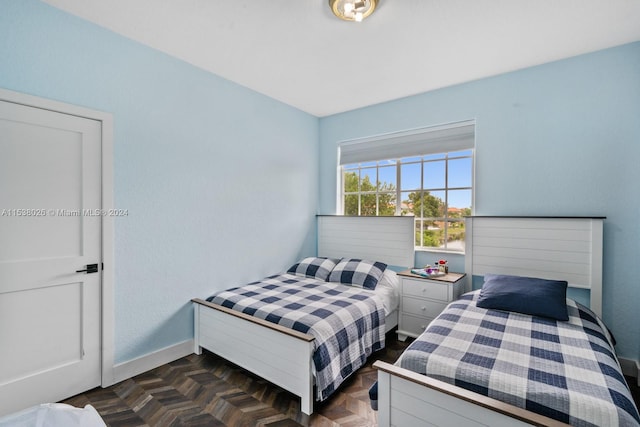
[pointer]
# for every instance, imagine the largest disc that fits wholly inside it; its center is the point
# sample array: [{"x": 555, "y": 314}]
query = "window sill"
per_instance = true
[{"x": 438, "y": 251}]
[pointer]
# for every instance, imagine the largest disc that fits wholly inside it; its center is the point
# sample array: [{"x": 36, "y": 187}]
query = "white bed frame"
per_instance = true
[
  {"x": 553, "y": 248},
  {"x": 284, "y": 356}
]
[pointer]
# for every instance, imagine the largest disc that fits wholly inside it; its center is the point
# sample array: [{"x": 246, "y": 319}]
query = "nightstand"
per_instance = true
[{"x": 422, "y": 299}]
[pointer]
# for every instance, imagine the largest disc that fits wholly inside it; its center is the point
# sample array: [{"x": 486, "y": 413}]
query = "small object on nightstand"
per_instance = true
[{"x": 427, "y": 272}]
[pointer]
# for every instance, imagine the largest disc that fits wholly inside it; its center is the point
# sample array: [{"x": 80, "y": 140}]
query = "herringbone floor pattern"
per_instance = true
[{"x": 209, "y": 391}]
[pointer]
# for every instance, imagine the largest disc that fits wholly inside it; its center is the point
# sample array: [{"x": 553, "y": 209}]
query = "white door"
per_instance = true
[{"x": 50, "y": 227}]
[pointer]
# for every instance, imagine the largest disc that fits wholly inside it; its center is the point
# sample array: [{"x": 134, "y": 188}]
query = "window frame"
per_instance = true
[{"x": 422, "y": 159}]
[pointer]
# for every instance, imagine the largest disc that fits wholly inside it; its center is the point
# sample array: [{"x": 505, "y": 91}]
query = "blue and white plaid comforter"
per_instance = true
[
  {"x": 564, "y": 370},
  {"x": 348, "y": 323}
]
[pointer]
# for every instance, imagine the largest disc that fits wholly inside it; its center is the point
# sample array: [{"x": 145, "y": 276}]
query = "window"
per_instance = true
[{"x": 427, "y": 174}]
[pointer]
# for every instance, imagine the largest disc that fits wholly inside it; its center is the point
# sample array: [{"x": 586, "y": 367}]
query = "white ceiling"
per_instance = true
[{"x": 296, "y": 51}]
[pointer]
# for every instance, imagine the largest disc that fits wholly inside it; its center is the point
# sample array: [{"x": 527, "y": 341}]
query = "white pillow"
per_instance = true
[{"x": 389, "y": 289}]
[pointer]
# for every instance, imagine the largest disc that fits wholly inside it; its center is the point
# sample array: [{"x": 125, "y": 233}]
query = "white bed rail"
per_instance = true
[
  {"x": 406, "y": 398},
  {"x": 278, "y": 354}
]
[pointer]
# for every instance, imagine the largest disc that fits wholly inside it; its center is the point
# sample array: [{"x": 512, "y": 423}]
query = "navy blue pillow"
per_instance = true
[{"x": 527, "y": 295}]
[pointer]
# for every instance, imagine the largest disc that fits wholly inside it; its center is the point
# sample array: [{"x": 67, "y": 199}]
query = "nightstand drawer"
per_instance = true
[
  {"x": 421, "y": 307},
  {"x": 425, "y": 289},
  {"x": 423, "y": 299},
  {"x": 412, "y": 325}
]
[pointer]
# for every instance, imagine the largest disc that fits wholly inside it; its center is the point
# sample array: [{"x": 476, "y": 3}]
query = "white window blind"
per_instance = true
[{"x": 437, "y": 139}]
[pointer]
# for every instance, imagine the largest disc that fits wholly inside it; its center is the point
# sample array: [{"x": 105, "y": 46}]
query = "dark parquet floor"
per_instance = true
[{"x": 208, "y": 391}]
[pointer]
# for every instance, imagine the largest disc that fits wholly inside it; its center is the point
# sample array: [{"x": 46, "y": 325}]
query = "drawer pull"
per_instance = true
[
  {"x": 423, "y": 327},
  {"x": 423, "y": 308}
]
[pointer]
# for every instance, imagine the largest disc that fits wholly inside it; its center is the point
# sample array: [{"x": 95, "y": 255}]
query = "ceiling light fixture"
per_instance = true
[{"x": 352, "y": 10}]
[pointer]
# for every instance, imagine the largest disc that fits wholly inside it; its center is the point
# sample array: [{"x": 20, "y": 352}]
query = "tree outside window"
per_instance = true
[{"x": 436, "y": 189}]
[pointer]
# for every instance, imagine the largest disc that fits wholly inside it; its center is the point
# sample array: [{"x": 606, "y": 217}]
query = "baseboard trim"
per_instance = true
[{"x": 131, "y": 368}]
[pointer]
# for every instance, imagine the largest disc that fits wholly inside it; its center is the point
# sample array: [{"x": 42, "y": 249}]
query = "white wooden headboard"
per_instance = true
[
  {"x": 559, "y": 248},
  {"x": 389, "y": 239}
]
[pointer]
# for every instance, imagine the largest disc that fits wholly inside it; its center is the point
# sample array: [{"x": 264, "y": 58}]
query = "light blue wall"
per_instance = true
[
  {"x": 220, "y": 182},
  {"x": 558, "y": 139}
]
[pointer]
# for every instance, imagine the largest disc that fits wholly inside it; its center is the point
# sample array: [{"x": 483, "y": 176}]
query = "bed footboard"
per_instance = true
[
  {"x": 407, "y": 398},
  {"x": 277, "y": 354}
]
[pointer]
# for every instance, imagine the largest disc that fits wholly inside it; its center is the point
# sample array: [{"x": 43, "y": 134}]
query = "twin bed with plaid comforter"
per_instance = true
[
  {"x": 563, "y": 370},
  {"x": 348, "y": 323}
]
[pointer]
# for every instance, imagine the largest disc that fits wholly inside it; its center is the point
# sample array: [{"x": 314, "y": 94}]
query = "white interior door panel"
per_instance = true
[{"x": 50, "y": 227}]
